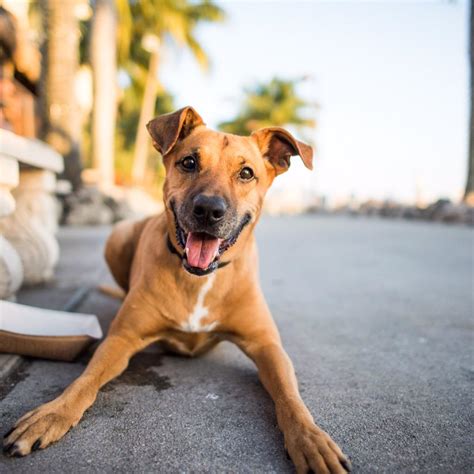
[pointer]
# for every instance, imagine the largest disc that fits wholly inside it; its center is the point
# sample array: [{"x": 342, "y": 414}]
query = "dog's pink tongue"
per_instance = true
[{"x": 201, "y": 249}]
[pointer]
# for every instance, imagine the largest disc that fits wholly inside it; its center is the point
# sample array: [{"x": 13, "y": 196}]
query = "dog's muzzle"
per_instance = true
[{"x": 203, "y": 247}]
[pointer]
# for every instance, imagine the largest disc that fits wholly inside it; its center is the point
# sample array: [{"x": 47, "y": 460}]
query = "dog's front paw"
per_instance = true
[
  {"x": 37, "y": 429},
  {"x": 312, "y": 449}
]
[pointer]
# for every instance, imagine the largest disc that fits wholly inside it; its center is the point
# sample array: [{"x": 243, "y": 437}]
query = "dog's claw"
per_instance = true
[
  {"x": 8, "y": 433},
  {"x": 12, "y": 450},
  {"x": 346, "y": 464},
  {"x": 36, "y": 444},
  {"x": 7, "y": 447}
]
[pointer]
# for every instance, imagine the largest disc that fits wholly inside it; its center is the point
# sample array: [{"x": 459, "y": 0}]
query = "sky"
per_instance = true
[{"x": 390, "y": 78}]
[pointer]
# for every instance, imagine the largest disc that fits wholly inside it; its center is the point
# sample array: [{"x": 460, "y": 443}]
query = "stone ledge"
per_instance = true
[{"x": 30, "y": 152}]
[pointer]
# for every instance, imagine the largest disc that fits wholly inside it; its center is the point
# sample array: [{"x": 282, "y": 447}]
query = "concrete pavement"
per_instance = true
[{"x": 376, "y": 315}]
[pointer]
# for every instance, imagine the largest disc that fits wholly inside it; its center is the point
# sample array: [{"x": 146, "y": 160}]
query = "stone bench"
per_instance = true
[{"x": 28, "y": 212}]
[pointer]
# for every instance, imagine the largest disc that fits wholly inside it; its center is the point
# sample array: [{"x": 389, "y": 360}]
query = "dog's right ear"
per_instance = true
[{"x": 167, "y": 129}]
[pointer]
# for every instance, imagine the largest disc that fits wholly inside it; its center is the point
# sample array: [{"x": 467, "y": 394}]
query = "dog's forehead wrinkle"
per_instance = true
[{"x": 216, "y": 148}]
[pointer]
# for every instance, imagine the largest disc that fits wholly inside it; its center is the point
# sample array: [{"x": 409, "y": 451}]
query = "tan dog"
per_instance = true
[{"x": 191, "y": 280}]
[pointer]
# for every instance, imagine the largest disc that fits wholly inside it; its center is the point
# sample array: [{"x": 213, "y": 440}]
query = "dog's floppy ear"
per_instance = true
[
  {"x": 167, "y": 129},
  {"x": 278, "y": 146}
]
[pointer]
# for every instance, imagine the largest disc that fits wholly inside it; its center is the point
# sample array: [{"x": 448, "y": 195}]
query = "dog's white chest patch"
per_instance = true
[{"x": 194, "y": 322}]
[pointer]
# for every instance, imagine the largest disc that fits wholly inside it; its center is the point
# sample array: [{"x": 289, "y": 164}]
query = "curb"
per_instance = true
[{"x": 8, "y": 362}]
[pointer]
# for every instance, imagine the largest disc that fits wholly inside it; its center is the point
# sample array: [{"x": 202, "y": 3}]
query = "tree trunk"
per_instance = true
[
  {"x": 148, "y": 108},
  {"x": 469, "y": 192},
  {"x": 103, "y": 54},
  {"x": 62, "y": 126}
]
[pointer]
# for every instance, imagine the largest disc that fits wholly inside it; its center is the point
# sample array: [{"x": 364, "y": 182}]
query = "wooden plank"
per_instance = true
[{"x": 31, "y": 152}]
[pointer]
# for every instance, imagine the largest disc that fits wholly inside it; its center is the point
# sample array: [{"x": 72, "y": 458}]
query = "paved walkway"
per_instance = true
[{"x": 377, "y": 316}]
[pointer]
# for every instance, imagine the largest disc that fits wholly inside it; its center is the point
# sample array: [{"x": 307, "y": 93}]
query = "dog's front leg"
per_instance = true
[
  {"x": 49, "y": 422},
  {"x": 308, "y": 445}
]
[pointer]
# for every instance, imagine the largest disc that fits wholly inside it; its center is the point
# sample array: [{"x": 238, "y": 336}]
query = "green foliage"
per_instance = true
[
  {"x": 127, "y": 123},
  {"x": 175, "y": 20},
  {"x": 171, "y": 21},
  {"x": 275, "y": 103},
  {"x": 84, "y": 35}
]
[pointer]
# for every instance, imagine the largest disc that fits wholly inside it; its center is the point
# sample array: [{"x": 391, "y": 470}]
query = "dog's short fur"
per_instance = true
[{"x": 191, "y": 280}]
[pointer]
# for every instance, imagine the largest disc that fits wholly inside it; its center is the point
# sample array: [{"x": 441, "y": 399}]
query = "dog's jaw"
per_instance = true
[{"x": 181, "y": 238}]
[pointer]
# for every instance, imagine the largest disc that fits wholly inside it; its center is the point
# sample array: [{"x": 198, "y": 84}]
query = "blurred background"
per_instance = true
[
  {"x": 380, "y": 89},
  {"x": 370, "y": 283}
]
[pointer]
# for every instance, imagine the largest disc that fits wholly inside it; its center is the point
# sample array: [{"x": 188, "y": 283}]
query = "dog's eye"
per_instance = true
[
  {"x": 246, "y": 174},
  {"x": 188, "y": 163}
]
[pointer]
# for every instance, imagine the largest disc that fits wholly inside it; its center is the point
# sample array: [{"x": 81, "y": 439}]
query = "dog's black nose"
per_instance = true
[{"x": 209, "y": 209}]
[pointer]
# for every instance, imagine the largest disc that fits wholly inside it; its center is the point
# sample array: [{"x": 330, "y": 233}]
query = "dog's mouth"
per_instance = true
[{"x": 202, "y": 250}]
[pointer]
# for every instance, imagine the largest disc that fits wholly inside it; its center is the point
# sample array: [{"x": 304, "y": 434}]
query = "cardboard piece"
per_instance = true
[{"x": 46, "y": 333}]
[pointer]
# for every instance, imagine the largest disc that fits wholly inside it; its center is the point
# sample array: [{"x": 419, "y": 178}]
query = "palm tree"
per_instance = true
[
  {"x": 152, "y": 44},
  {"x": 175, "y": 20},
  {"x": 275, "y": 103},
  {"x": 103, "y": 58},
  {"x": 61, "y": 127}
]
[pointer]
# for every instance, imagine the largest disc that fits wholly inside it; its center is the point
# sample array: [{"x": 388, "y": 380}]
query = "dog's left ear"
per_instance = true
[
  {"x": 167, "y": 129},
  {"x": 278, "y": 146}
]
